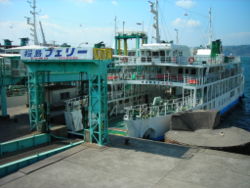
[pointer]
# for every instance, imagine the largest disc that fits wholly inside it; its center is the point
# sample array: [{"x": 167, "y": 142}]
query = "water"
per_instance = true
[{"x": 240, "y": 116}]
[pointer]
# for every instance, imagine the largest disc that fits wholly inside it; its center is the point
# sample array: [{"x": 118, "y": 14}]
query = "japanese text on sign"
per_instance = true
[{"x": 57, "y": 54}]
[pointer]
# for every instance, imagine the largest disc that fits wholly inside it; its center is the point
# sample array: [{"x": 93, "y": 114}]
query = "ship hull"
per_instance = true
[
  {"x": 155, "y": 128},
  {"x": 152, "y": 128}
]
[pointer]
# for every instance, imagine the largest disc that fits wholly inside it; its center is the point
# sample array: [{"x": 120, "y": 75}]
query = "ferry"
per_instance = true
[{"x": 157, "y": 80}]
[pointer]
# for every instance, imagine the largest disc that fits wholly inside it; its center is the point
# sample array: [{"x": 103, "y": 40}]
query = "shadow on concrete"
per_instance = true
[
  {"x": 148, "y": 146},
  {"x": 14, "y": 128}
]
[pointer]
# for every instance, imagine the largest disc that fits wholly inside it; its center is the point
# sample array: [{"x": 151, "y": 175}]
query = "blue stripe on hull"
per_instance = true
[
  {"x": 160, "y": 138},
  {"x": 230, "y": 106}
]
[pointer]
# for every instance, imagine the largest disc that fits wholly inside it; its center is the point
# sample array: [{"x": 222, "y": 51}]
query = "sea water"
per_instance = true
[{"x": 240, "y": 115}]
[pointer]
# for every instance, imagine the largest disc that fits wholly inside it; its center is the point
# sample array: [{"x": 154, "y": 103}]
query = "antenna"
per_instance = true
[
  {"x": 154, "y": 11},
  {"x": 210, "y": 27},
  {"x": 41, "y": 27},
  {"x": 33, "y": 24},
  {"x": 177, "y": 36}
]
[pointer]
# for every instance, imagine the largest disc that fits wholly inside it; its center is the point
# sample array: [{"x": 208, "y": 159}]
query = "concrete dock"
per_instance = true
[{"x": 141, "y": 163}]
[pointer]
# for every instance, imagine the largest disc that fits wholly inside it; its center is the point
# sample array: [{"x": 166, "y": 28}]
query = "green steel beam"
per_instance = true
[
  {"x": 37, "y": 106},
  {"x": 3, "y": 88},
  {"x": 97, "y": 74},
  {"x": 24, "y": 143},
  {"x": 98, "y": 121},
  {"x": 125, "y": 47},
  {"x": 3, "y": 101},
  {"x": 137, "y": 46},
  {"x": 16, "y": 165}
]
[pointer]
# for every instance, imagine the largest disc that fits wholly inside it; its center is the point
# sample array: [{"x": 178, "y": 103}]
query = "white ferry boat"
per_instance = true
[{"x": 158, "y": 80}]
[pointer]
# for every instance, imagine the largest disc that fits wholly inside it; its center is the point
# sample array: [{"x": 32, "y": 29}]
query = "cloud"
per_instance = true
[
  {"x": 185, "y": 3},
  {"x": 192, "y": 23},
  {"x": 179, "y": 22},
  {"x": 238, "y": 38},
  {"x": 114, "y": 2},
  {"x": 14, "y": 30},
  {"x": 86, "y": 1},
  {"x": 45, "y": 16},
  {"x": 4, "y": 1},
  {"x": 56, "y": 32}
]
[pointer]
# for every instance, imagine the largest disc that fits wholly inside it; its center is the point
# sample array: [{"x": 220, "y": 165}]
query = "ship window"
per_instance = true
[
  {"x": 186, "y": 71},
  {"x": 193, "y": 71},
  {"x": 131, "y": 53},
  {"x": 15, "y": 64},
  {"x": 64, "y": 95},
  {"x": 167, "y": 53},
  {"x": 142, "y": 53},
  {"x": 180, "y": 71},
  {"x": 232, "y": 94},
  {"x": 148, "y": 53},
  {"x": 155, "y": 54},
  {"x": 162, "y": 53},
  {"x": 180, "y": 53}
]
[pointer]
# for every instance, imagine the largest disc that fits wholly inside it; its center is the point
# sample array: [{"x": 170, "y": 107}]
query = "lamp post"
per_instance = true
[
  {"x": 177, "y": 37},
  {"x": 142, "y": 25},
  {"x": 123, "y": 25},
  {"x": 82, "y": 43}
]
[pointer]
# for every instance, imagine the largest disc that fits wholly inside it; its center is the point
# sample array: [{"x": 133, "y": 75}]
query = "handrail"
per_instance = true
[
  {"x": 177, "y": 78},
  {"x": 196, "y": 60},
  {"x": 145, "y": 111}
]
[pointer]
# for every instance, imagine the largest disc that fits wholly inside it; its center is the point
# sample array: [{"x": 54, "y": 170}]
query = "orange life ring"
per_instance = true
[{"x": 191, "y": 60}]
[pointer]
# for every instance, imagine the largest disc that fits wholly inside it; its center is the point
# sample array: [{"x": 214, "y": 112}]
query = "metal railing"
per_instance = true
[
  {"x": 76, "y": 103},
  {"x": 195, "y": 60},
  {"x": 121, "y": 94},
  {"x": 179, "y": 78},
  {"x": 145, "y": 111}
]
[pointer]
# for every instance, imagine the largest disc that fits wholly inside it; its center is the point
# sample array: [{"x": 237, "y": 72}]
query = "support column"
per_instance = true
[
  {"x": 4, "y": 102},
  {"x": 3, "y": 90},
  {"x": 37, "y": 105},
  {"x": 119, "y": 46},
  {"x": 137, "y": 46},
  {"x": 144, "y": 40},
  {"x": 116, "y": 46},
  {"x": 98, "y": 109},
  {"x": 125, "y": 47},
  {"x": 194, "y": 97}
]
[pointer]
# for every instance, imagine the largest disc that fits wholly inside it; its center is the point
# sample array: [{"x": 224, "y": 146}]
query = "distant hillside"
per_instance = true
[{"x": 241, "y": 50}]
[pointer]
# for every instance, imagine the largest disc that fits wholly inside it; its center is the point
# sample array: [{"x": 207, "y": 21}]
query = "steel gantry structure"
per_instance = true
[
  {"x": 12, "y": 71},
  {"x": 47, "y": 65},
  {"x": 129, "y": 35}
]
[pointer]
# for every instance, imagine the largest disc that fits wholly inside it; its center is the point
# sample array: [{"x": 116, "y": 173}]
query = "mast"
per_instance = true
[
  {"x": 33, "y": 25},
  {"x": 41, "y": 27},
  {"x": 155, "y": 12},
  {"x": 210, "y": 28}
]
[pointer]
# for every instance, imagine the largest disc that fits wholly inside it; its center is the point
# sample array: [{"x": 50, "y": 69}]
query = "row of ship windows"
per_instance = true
[
  {"x": 161, "y": 53},
  {"x": 215, "y": 103}
]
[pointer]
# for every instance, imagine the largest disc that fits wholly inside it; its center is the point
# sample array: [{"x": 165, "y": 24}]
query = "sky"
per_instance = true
[{"x": 77, "y": 22}]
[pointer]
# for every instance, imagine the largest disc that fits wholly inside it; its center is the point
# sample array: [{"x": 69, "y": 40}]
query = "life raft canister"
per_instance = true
[{"x": 191, "y": 60}]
